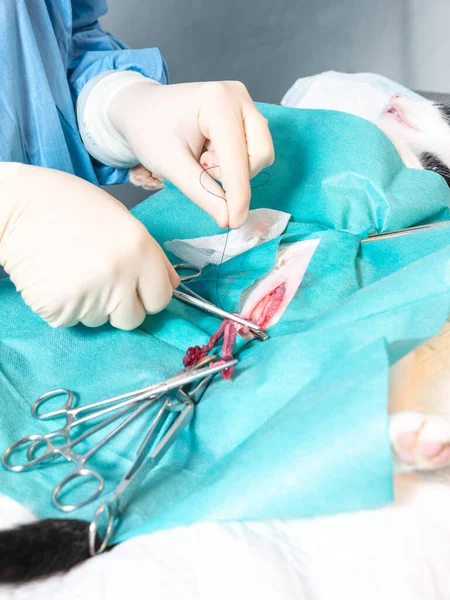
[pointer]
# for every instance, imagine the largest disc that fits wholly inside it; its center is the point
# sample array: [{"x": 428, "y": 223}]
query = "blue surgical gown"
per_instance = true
[{"x": 49, "y": 51}]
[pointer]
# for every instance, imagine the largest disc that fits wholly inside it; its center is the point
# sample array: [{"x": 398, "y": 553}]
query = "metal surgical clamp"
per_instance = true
[
  {"x": 398, "y": 232},
  {"x": 190, "y": 297},
  {"x": 152, "y": 449},
  {"x": 42, "y": 448}
]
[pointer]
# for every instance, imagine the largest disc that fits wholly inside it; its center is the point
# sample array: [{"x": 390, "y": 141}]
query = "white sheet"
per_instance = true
[{"x": 393, "y": 553}]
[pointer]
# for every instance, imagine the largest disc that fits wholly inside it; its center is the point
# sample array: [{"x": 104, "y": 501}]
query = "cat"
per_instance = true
[
  {"x": 420, "y": 131},
  {"x": 419, "y": 407}
]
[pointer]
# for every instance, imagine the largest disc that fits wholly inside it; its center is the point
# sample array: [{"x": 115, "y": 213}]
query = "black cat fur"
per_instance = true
[{"x": 42, "y": 548}]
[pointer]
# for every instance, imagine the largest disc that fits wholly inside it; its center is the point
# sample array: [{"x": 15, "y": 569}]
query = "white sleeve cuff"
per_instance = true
[
  {"x": 9, "y": 169},
  {"x": 100, "y": 138}
]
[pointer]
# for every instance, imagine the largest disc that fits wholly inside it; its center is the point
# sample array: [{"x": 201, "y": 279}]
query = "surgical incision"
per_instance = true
[{"x": 264, "y": 305}]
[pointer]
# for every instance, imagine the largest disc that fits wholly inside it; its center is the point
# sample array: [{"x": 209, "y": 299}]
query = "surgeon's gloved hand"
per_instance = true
[
  {"x": 126, "y": 120},
  {"x": 75, "y": 253}
]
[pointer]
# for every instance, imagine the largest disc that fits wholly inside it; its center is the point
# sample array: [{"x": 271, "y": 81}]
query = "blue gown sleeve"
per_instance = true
[{"x": 93, "y": 51}]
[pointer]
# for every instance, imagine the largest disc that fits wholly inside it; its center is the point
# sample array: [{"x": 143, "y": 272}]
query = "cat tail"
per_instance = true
[{"x": 42, "y": 548}]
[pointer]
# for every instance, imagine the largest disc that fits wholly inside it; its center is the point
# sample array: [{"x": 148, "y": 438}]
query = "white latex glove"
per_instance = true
[
  {"x": 126, "y": 120},
  {"x": 75, "y": 253}
]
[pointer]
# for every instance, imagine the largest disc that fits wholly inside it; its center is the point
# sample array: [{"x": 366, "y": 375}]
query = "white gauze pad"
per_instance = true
[{"x": 262, "y": 225}]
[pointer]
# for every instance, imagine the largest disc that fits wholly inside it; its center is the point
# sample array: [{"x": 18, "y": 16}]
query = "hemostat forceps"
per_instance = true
[
  {"x": 190, "y": 297},
  {"x": 155, "y": 445},
  {"x": 42, "y": 448}
]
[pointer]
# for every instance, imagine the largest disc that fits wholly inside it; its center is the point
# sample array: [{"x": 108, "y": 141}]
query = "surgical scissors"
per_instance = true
[
  {"x": 151, "y": 451},
  {"x": 120, "y": 405},
  {"x": 190, "y": 297}
]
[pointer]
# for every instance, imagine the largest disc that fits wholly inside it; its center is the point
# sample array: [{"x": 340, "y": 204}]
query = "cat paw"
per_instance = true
[
  {"x": 421, "y": 441},
  {"x": 141, "y": 177}
]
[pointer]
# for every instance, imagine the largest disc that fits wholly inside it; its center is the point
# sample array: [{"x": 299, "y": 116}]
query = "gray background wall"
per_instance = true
[{"x": 268, "y": 44}]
